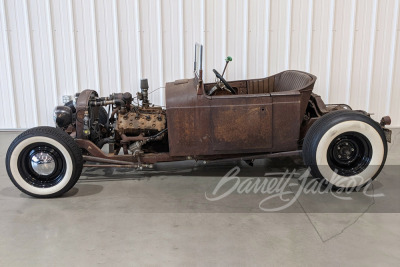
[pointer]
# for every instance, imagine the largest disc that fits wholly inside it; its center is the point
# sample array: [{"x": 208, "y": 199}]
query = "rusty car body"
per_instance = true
[{"x": 245, "y": 119}]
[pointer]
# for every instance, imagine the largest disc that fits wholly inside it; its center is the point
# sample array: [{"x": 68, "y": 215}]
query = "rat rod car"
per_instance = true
[{"x": 249, "y": 119}]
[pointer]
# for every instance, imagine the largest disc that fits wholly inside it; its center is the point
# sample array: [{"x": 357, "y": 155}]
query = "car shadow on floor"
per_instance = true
[{"x": 79, "y": 190}]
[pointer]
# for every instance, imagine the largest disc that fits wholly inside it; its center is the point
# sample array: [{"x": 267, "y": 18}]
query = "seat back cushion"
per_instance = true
[{"x": 291, "y": 80}]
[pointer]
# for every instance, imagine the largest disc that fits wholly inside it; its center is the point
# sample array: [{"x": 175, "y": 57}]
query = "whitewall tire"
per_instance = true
[
  {"x": 44, "y": 162},
  {"x": 347, "y": 149}
]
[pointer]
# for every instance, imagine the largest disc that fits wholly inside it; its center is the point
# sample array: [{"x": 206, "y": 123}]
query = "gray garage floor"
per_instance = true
[{"x": 169, "y": 216}]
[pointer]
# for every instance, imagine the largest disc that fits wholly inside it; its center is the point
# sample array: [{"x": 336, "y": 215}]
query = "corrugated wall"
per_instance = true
[{"x": 50, "y": 48}]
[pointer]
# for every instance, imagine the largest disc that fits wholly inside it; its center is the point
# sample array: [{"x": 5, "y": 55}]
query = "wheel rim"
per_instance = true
[
  {"x": 349, "y": 153},
  {"x": 41, "y": 165}
]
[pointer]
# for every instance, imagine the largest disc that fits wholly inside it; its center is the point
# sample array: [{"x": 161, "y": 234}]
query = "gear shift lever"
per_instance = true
[{"x": 227, "y": 60}]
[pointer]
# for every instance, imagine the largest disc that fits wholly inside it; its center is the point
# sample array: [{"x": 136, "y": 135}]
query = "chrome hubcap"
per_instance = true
[{"x": 43, "y": 163}]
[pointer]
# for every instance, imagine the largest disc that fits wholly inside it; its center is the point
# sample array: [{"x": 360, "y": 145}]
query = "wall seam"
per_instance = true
[
  {"x": 96, "y": 48},
  {"x": 160, "y": 51},
  {"x": 52, "y": 52},
  {"x": 351, "y": 51},
  {"x": 393, "y": 53},
  {"x": 310, "y": 34},
  {"x": 245, "y": 37},
  {"x": 289, "y": 12},
  {"x": 181, "y": 40},
  {"x": 330, "y": 49},
  {"x": 138, "y": 39},
  {"x": 71, "y": 17},
  {"x": 32, "y": 73},
  {"x": 117, "y": 46},
  {"x": 267, "y": 35},
  {"x": 372, "y": 52}
]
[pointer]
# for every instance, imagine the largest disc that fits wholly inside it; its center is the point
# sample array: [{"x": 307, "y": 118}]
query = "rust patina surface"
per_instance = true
[
  {"x": 259, "y": 119},
  {"x": 265, "y": 117}
]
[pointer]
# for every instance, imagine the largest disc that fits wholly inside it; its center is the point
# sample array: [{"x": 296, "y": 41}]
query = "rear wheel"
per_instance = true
[
  {"x": 346, "y": 149},
  {"x": 44, "y": 162}
]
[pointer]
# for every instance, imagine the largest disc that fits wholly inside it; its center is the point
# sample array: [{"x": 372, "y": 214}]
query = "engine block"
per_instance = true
[{"x": 146, "y": 121}]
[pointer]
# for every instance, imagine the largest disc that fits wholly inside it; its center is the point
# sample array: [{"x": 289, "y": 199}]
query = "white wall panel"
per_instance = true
[
  {"x": 364, "y": 43},
  {"x": 258, "y": 39},
  {"x": 152, "y": 47},
  {"x": 280, "y": 35},
  {"x": 64, "y": 47},
  {"x": 41, "y": 42},
  {"x": 301, "y": 35},
  {"x": 216, "y": 32},
  {"x": 394, "y": 109},
  {"x": 172, "y": 40},
  {"x": 107, "y": 24},
  {"x": 86, "y": 44},
  {"x": 50, "y": 48},
  {"x": 321, "y": 45},
  {"x": 193, "y": 31},
  {"x": 22, "y": 67},
  {"x": 342, "y": 51},
  {"x": 7, "y": 109},
  {"x": 129, "y": 45},
  {"x": 381, "y": 85}
]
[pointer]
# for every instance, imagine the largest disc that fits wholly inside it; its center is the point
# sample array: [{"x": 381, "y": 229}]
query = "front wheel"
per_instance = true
[
  {"x": 44, "y": 162},
  {"x": 346, "y": 149}
]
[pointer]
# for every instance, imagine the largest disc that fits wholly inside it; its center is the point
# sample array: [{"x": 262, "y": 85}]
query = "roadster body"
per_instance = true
[{"x": 247, "y": 119}]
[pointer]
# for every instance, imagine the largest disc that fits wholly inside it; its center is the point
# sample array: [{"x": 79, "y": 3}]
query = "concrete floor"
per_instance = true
[{"x": 162, "y": 217}]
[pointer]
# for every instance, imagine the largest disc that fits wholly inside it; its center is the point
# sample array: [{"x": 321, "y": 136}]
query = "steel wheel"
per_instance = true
[{"x": 350, "y": 153}]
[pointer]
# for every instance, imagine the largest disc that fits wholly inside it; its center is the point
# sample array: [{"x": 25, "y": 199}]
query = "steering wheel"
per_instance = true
[{"x": 227, "y": 86}]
